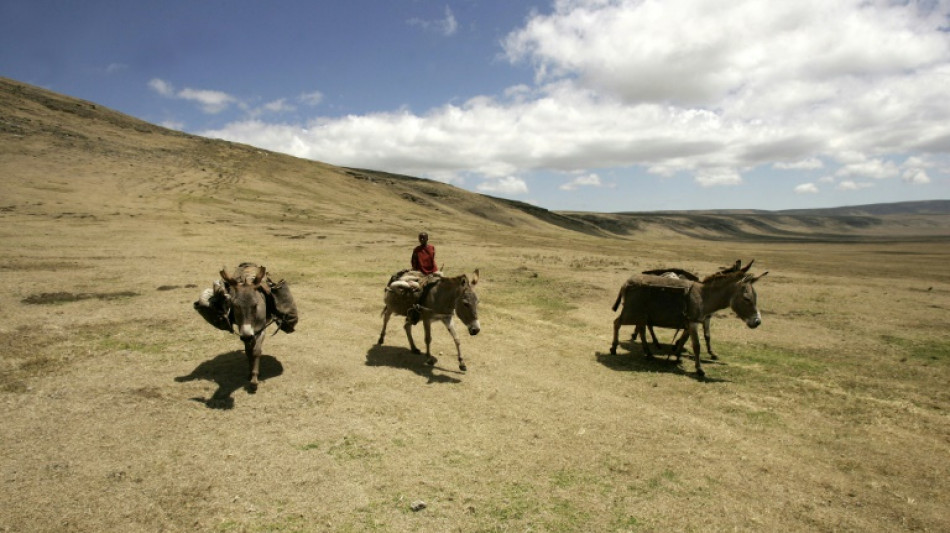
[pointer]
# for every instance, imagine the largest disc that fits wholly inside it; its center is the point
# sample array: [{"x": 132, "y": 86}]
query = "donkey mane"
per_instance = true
[
  {"x": 723, "y": 277},
  {"x": 733, "y": 273}
]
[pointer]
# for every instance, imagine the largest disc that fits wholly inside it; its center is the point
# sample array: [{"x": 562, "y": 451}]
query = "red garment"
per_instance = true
[{"x": 423, "y": 259}]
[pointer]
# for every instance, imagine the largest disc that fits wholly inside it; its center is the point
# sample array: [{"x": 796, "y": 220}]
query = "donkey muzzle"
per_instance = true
[
  {"x": 246, "y": 332},
  {"x": 754, "y": 322},
  {"x": 474, "y": 328}
]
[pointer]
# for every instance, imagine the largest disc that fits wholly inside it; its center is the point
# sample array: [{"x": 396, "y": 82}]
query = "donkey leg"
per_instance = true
[
  {"x": 652, "y": 334},
  {"x": 613, "y": 345},
  {"x": 408, "y": 328},
  {"x": 680, "y": 343},
  {"x": 458, "y": 344},
  {"x": 642, "y": 331},
  {"x": 694, "y": 335},
  {"x": 427, "y": 326},
  {"x": 708, "y": 337},
  {"x": 382, "y": 334},
  {"x": 253, "y": 348}
]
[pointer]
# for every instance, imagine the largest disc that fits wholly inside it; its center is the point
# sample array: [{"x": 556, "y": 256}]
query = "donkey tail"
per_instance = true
[{"x": 619, "y": 297}]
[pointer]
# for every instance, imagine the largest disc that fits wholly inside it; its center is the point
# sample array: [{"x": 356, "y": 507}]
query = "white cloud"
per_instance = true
[
  {"x": 116, "y": 67},
  {"x": 211, "y": 102},
  {"x": 875, "y": 168},
  {"x": 172, "y": 125},
  {"x": 806, "y": 188},
  {"x": 916, "y": 176},
  {"x": 447, "y": 25},
  {"x": 278, "y": 106},
  {"x": 311, "y": 99},
  {"x": 811, "y": 163},
  {"x": 587, "y": 180},
  {"x": 162, "y": 87},
  {"x": 510, "y": 185},
  {"x": 718, "y": 177},
  {"x": 851, "y": 185},
  {"x": 711, "y": 90},
  {"x": 915, "y": 170}
]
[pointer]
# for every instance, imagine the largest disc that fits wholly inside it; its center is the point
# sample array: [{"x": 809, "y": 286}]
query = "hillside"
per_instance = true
[{"x": 119, "y": 166}]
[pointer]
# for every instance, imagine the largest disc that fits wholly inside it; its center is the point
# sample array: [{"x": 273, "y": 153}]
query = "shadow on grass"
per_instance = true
[
  {"x": 230, "y": 371},
  {"x": 630, "y": 358},
  {"x": 394, "y": 357}
]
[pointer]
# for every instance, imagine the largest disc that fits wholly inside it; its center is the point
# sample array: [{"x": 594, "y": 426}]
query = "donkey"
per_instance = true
[
  {"x": 685, "y": 274},
  {"x": 441, "y": 299},
  {"x": 684, "y": 304},
  {"x": 247, "y": 289}
]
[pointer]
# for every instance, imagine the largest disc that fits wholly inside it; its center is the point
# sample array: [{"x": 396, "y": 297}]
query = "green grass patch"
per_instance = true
[
  {"x": 929, "y": 350},
  {"x": 773, "y": 360},
  {"x": 550, "y": 297}
]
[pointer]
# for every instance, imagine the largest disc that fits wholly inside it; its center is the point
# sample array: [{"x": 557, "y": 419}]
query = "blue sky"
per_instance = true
[{"x": 593, "y": 105}]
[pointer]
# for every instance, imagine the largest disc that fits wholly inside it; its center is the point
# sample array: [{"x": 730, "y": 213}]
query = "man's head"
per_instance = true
[{"x": 423, "y": 238}]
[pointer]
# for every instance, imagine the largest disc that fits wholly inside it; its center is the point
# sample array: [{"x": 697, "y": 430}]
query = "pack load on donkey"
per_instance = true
[
  {"x": 407, "y": 288},
  {"x": 214, "y": 304}
]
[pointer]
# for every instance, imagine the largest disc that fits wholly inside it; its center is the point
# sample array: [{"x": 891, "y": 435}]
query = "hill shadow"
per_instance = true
[
  {"x": 630, "y": 358},
  {"x": 229, "y": 370},
  {"x": 394, "y": 357}
]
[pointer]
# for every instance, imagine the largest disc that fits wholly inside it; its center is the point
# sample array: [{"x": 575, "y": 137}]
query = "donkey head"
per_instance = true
[
  {"x": 247, "y": 303},
  {"x": 466, "y": 306},
  {"x": 744, "y": 301}
]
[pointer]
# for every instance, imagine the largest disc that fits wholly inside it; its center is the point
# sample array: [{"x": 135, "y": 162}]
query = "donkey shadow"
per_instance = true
[
  {"x": 631, "y": 358},
  {"x": 394, "y": 357},
  {"x": 230, "y": 370}
]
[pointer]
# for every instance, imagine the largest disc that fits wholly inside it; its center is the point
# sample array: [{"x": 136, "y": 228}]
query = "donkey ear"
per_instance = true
[
  {"x": 261, "y": 272},
  {"x": 227, "y": 277},
  {"x": 747, "y": 267},
  {"x": 475, "y": 277},
  {"x": 757, "y": 278}
]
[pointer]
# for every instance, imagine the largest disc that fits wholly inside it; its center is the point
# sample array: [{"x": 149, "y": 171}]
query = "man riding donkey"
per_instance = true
[
  {"x": 422, "y": 293},
  {"x": 424, "y": 273}
]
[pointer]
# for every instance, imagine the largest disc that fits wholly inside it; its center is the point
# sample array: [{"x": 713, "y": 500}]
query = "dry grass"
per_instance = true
[{"x": 126, "y": 412}]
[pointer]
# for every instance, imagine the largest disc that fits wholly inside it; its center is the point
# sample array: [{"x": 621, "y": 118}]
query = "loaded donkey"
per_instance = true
[
  {"x": 684, "y": 304},
  {"x": 249, "y": 302}
]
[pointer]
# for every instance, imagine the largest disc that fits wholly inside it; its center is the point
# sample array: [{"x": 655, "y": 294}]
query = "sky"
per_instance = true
[{"x": 587, "y": 105}]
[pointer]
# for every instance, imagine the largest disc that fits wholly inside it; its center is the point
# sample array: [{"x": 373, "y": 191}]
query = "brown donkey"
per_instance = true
[
  {"x": 442, "y": 299},
  {"x": 246, "y": 289},
  {"x": 678, "y": 303}
]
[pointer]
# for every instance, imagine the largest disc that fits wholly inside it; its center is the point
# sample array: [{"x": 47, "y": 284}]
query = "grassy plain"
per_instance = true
[{"x": 126, "y": 412}]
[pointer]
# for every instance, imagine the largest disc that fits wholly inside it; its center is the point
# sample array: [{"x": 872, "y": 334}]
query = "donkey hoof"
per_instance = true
[
  {"x": 714, "y": 357},
  {"x": 251, "y": 388},
  {"x": 613, "y": 350},
  {"x": 416, "y": 351},
  {"x": 431, "y": 361},
  {"x": 700, "y": 373},
  {"x": 462, "y": 367}
]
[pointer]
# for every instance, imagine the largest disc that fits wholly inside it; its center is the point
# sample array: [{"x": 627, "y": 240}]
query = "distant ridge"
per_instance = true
[
  {"x": 926, "y": 207},
  {"x": 923, "y": 207}
]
